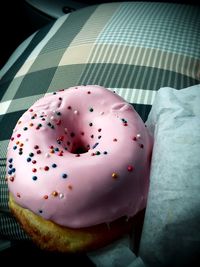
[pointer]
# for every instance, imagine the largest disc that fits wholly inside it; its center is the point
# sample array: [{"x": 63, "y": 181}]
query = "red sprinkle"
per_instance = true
[
  {"x": 134, "y": 138},
  {"x": 18, "y": 195},
  {"x": 34, "y": 161},
  {"x": 115, "y": 140},
  {"x": 58, "y": 122},
  {"x": 36, "y": 147},
  {"x": 18, "y": 135},
  {"x": 34, "y": 170},
  {"x": 130, "y": 168},
  {"x": 38, "y": 151},
  {"x": 45, "y": 197},
  {"x": 12, "y": 178},
  {"x": 46, "y": 168},
  {"x": 61, "y": 138}
]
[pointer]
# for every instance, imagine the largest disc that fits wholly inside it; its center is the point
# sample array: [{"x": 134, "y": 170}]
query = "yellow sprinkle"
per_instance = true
[
  {"x": 55, "y": 193},
  {"x": 70, "y": 187},
  {"x": 114, "y": 175}
]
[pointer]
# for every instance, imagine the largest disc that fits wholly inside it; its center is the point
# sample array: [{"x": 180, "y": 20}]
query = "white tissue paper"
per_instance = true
[{"x": 171, "y": 230}]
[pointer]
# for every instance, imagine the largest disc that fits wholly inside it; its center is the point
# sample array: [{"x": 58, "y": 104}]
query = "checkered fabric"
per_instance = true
[{"x": 134, "y": 48}]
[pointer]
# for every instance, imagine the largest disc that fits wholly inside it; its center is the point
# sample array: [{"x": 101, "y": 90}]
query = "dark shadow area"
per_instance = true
[{"x": 26, "y": 252}]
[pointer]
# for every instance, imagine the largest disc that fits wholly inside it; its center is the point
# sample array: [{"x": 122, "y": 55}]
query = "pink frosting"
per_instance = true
[{"x": 80, "y": 157}]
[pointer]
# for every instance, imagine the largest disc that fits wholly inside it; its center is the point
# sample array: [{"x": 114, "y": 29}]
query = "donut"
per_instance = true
[{"x": 78, "y": 165}]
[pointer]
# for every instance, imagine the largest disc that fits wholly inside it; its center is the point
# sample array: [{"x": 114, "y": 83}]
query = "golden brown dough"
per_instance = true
[{"x": 50, "y": 236}]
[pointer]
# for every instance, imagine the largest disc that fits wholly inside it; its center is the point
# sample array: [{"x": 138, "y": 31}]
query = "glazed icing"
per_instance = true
[{"x": 80, "y": 157}]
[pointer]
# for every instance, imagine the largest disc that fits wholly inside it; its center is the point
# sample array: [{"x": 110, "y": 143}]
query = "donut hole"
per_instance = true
[{"x": 79, "y": 148}]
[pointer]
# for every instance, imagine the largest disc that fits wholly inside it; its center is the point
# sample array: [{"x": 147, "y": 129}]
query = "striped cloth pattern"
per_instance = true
[{"x": 134, "y": 48}]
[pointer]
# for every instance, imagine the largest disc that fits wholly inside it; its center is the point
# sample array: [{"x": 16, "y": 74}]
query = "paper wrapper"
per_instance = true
[{"x": 171, "y": 230}]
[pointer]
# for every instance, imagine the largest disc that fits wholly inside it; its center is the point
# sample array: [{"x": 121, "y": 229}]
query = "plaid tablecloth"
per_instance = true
[{"x": 134, "y": 48}]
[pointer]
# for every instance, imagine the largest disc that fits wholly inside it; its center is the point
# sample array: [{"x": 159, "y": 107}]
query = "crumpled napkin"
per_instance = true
[{"x": 171, "y": 230}]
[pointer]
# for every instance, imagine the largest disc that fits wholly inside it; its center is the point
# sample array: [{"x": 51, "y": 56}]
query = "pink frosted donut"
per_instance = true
[{"x": 80, "y": 157}]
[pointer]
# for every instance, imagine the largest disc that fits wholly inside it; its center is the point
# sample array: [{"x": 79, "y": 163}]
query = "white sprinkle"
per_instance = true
[
  {"x": 61, "y": 195},
  {"x": 52, "y": 117},
  {"x": 138, "y": 136},
  {"x": 47, "y": 155},
  {"x": 76, "y": 112},
  {"x": 102, "y": 113}
]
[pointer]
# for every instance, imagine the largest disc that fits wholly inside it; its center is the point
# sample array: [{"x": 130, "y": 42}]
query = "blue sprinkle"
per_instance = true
[
  {"x": 56, "y": 149},
  {"x": 28, "y": 159},
  {"x": 64, "y": 175},
  {"x": 10, "y": 160},
  {"x": 54, "y": 165},
  {"x": 10, "y": 172},
  {"x": 13, "y": 170},
  {"x": 40, "y": 211},
  {"x": 95, "y": 145},
  {"x": 105, "y": 152},
  {"x": 10, "y": 166},
  {"x": 34, "y": 178},
  {"x": 31, "y": 154},
  {"x": 15, "y": 147}
]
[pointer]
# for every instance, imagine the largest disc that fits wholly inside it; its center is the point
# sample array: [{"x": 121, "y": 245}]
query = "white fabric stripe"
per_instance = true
[
  {"x": 56, "y": 26},
  {"x": 4, "y": 107},
  {"x": 16, "y": 54},
  {"x": 145, "y": 97},
  {"x": 129, "y": 95}
]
